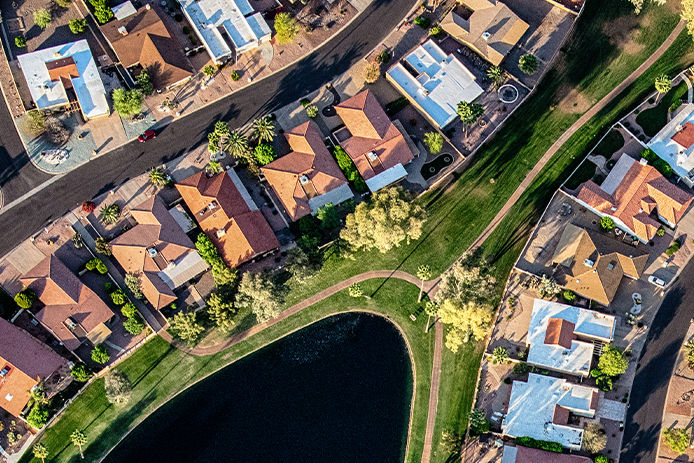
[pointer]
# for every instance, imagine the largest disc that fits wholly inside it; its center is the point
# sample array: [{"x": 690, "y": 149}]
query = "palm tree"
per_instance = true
[
  {"x": 469, "y": 113},
  {"x": 78, "y": 439},
  {"x": 108, "y": 215},
  {"x": 40, "y": 451},
  {"x": 663, "y": 83},
  {"x": 158, "y": 177},
  {"x": 264, "y": 129},
  {"x": 423, "y": 273},
  {"x": 237, "y": 145},
  {"x": 213, "y": 168},
  {"x": 496, "y": 75}
]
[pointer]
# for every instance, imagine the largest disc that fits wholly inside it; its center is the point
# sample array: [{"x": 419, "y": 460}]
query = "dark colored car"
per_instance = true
[{"x": 149, "y": 134}]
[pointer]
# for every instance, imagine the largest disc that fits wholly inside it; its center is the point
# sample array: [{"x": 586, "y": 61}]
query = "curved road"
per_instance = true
[{"x": 106, "y": 172}]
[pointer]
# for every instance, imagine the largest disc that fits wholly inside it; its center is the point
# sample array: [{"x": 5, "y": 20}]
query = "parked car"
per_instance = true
[
  {"x": 147, "y": 135},
  {"x": 654, "y": 280}
]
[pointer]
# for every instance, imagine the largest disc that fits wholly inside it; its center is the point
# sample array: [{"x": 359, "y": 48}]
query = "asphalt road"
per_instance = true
[
  {"x": 131, "y": 160},
  {"x": 656, "y": 365}
]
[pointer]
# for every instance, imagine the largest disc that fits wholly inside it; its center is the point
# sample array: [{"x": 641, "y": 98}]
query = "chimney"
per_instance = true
[
  {"x": 148, "y": 7},
  {"x": 123, "y": 30}
]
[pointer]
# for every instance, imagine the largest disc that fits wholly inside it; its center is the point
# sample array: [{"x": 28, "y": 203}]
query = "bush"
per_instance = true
[
  {"x": 119, "y": 297},
  {"x": 383, "y": 57},
  {"x": 674, "y": 247},
  {"x": 538, "y": 444},
  {"x": 38, "y": 416},
  {"x": 521, "y": 368},
  {"x": 528, "y": 64},
  {"x": 349, "y": 169},
  {"x": 305, "y": 102},
  {"x": 660, "y": 231},
  {"x": 56, "y": 132},
  {"x": 20, "y": 41},
  {"x": 312, "y": 111},
  {"x": 371, "y": 72},
  {"x": 42, "y": 18},
  {"x": 132, "y": 281},
  {"x": 128, "y": 310},
  {"x": 422, "y": 22},
  {"x": 285, "y": 27},
  {"x": 35, "y": 123},
  {"x": 88, "y": 207},
  {"x": 478, "y": 422},
  {"x": 80, "y": 373},
  {"x": 677, "y": 439},
  {"x": 77, "y": 26},
  {"x": 600, "y": 459},
  {"x": 606, "y": 223},
  {"x": 134, "y": 325},
  {"x": 127, "y": 102},
  {"x": 96, "y": 264},
  {"x": 100, "y": 354},
  {"x": 235, "y": 75},
  {"x": 436, "y": 31},
  {"x": 569, "y": 296},
  {"x": 103, "y": 13},
  {"x": 144, "y": 81},
  {"x": 264, "y": 153},
  {"x": 26, "y": 298}
]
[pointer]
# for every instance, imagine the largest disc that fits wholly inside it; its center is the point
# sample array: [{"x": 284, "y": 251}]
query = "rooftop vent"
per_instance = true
[
  {"x": 643, "y": 162},
  {"x": 486, "y": 35},
  {"x": 152, "y": 252},
  {"x": 148, "y": 7},
  {"x": 70, "y": 324},
  {"x": 221, "y": 232},
  {"x": 303, "y": 179},
  {"x": 213, "y": 205},
  {"x": 588, "y": 263},
  {"x": 122, "y": 30},
  {"x": 611, "y": 265},
  {"x": 372, "y": 156},
  {"x": 57, "y": 54},
  {"x": 6, "y": 369}
]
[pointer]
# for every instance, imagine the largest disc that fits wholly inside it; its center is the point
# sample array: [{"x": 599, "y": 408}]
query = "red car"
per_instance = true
[{"x": 148, "y": 135}]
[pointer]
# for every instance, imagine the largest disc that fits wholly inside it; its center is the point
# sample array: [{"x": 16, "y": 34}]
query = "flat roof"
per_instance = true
[
  {"x": 123, "y": 10},
  {"x": 680, "y": 158},
  {"x": 442, "y": 81},
  {"x": 587, "y": 323},
  {"x": 387, "y": 177},
  {"x": 334, "y": 196},
  {"x": 87, "y": 86}
]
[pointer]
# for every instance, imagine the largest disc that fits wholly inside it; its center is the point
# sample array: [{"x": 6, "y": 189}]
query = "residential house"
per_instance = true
[
  {"x": 227, "y": 28},
  {"x": 158, "y": 251},
  {"x": 24, "y": 362},
  {"x": 142, "y": 41},
  {"x": 561, "y": 337},
  {"x": 636, "y": 197},
  {"x": 72, "y": 312},
  {"x": 65, "y": 76},
  {"x": 592, "y": 264},
  {"x": 227, "y": 213},
  {"x": 434, "y": 82},
  {"x": 489, "y": 27},
  {"x": 675, "y": 143},
  {"x": 377, "y": 146},
  {"x": 527, "y": 455},
  {"x": 542, "y": 407},
  {"x": 308, "y": 177}
]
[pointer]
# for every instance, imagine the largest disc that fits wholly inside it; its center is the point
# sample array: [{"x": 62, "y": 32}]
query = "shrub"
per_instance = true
[
  {"x": 676, "y": 104},
  {"x": 660, "y": 231},
  {"x": 144, "y": 81},
  {"x": 435, "y": 31},
  {"x": 108, "y": 215},
  {"x": 20, "y": 41},
  {"x": 528, "y": 64},
  {"x": 42, "y": 18},
  {"x": 285, "y": 27},
  {"x": 349, "y": 169},
  {"x": 305, "y": 102},
  {"x": 235, "y": 75},
  {"x": 77, "y": 26},
  {"x": 127, "y": 102},
  {"x": 134, "y": 325},
  {"x": 600, "y": 459},
  {"x": 119, "y": 297},
  {"x": 371, "y": 73},
  {"x": 538, "y": 444},
  {"x": 383, "y": 57},
  {"x": 677, "y": 439},
  {"x": 38, "y": 416},
  {"x": 128, "y": 310},
  {"x": 108, "y": 286},
  {"x": 500, "y": 355},
  {"x": 56, "y": 132},
  {"x": 102, "y": 246},
  {"x": 209, "y": 70},
  {"x": 88, "y": 207},
  {"x": 96, "y": 264},
  {"x": 312, "y": 111},
  {"x": 521, "y": 368},
  {"x": 25, "y": 298},
  {"x": 594, "y": 438},
  {"x": 434, "y": 142},
  {"x": 606, "y": 223},
  {"x": 35, "y": 123},
  {"x": 103, "y": 13},
  {"x": 674, "y": 247},
  {"x": 63, "y": 3},
  {"x": 422, "y": 22},
  {"x": 132, "y": 281},
  {"x": 478, "y": 422},
  {"x": 264, "y": 153},
  {"x": 80, "y": 373},
  {"x": 569, "y": 296},
  {"x": 612, "y": 361},
  {"x": 100, "y": 354}
]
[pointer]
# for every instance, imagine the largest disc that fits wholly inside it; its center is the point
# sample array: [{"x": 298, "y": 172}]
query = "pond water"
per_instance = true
[{"x": 336, "y": 391}]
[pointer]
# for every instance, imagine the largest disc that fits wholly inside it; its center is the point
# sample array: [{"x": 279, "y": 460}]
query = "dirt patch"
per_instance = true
[
  {"x": 622, "y": 32},
  {"x": 574, "y": 102}
]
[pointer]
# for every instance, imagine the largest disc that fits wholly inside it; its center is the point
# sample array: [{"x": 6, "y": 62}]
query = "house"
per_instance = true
[
  {"x": 377, "y": 146},
  {"x": 541, "y": 408},
  {"x": 65, "y": 75},
  {"x": 434, "y": 82},
  {"x": 226, "y": 212},
  {"x": 24, "y": 362},
  {"x": 636, "y": 197},
  {"x": 527, "y": 455},
  {"x": 592, "y": 265},
  {"x": 72, "y": 312},
  {"x": 308, "y": 177},
  {"x": 560, "y": 337},
  {"x": 158, "y": 251},
  {"x": 223, "y": 24},
  {"x": 141, "y": 40},
  {"x": 674, "y": 144},
  {"x": 489, "y": 27}
]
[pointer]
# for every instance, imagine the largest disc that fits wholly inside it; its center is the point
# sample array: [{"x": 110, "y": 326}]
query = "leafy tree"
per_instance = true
[
  {"x": 40, "y": 451},
  {"x": 35, "y": 122},
  {"x": 638, "y": 4},
  {"x": 469, "y": 113},
  {"x": 496, "y": 75},
  {"x": 128, "y": 103},
  {"x": 424, "y": 274},
  {"x": 119, "y": 297},
  {"x": 312, "y": 111},
  {"x": 328, "y": 216},
  {"x": 108, "y": 215},
  {"x": 355, "y": 290},
  {"x": 594, "y": 438},
  {"x": 372, "y": 72},
  {"x": 677, "y": 439},
  {"x": 434, "y": 142},
  {"x": 102, "y": 247},
  {"x": 42, "y": 18},
  {"x": 77, "y": 26},
  {"x": 601, "y": 459},
  {"x": 500, "y": 355},
  {"x": 209, "y": 70},
  {"x": 96, "y": 264},
  {"x": 663, "y": 84},
  {"x": 548, "y": 287},
  {"x": 38, "y": 416},
  {"x": 78, "y": 439},
  {"x": 262, "y": 294},
  {"x": 478, "y": 422},
  {"x": 469, "y": 279},
  {"x": 451, "y": 442},
  {"x": 100, "y": 354},
  {"x": 144, "y": 81},
  {"x": 80, "y": 373},
  {"x": 687, "y": 14},
  {"x": 134, "y": 325},
  {"x": 384, "y": 222},
  {"x": 221, "y": 312},
  {"x": 55, "y": 131},
  {"x": 186, "y": 326},
  {"x": 224, "y": 276},
  {"x": 102, "y": 12},
  {"x": 117, "y": 387},
  {"x": 264, "y": 153},
  {"x": 218, "y": 137},
  {"x": 301, "y": 265},
  {"x": 465, "y": 321},
  {"x": 158, "y": 177},
  {"x": 128, "y": 310},
  {"x": 264, "y": 129},
  {"x": 612, "y": 362},
  {"x": 213, "y": 168},
  {"x": 286, "y": 28},
  {"x": 528, "y": 64},
  {"x": 63, "y": 3},
  {"x": 132, "y": 281},
  {"x": 26, "y": 298},
  {"x": 20, "y": 41}
]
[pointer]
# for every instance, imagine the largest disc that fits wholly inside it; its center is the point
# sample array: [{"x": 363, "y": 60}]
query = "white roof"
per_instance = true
[
  {"x": 680, "y": 158},
  {"x": 235, "y": 18},
  {"x": 334, "y": 196},
  {"x": 182, "y": 218},
  {"x": 242, "y": 190},
  {"x": 387, "y": 177},
  {"x": 531, "y": 409},
  {"x": 176, "y": 274},
  {"x": 440, "y": 84},
  {"x": 587, "y": 323},
  {"x": 88, "y": 86},
  {"x": 509, "y": 455},
  {"x": 616, "y": 175},
  {"x": 123, "y": 10}
]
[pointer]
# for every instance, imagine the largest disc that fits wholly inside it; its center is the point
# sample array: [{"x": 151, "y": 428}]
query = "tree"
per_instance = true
[
  {"x": 469, "y": 279},
  {"x": 451, "y": 442},
  {"x": 38, "y": 416},
  {"x": 606, "y": 223},
  {"x": 499, "y": 355},
  {"x": 25, "y": 298},
  {"x": 80, "y": 373},
  {"x": 213, "y": 168},
  {"x": 144, "y": 81},
  {"x": 224, "y": 276},
  {"x": 264, "y": 129},
  {"x": 496, "y": 75},
  {"x": 128, "y": 103},
  {"x": 186, "y": 326},
  {"x": 102, "y": 12},
  {"x": 63, "y": 3},
  {"x": 221, "y": 312},
  {"x": 20, "y": 41},
  {"x": 100, "y": 354},
  {"x": 77, "y": 26},
  {"x": 78, "y": 439},
  {"x": 117, "y": 387},
  {"x": 424, "y": 274},
  {"x": 612, "y": 362},
  {"x": 432, "y": 310},
  {"x": 158, "y": 177},
  {"x": 134, "y": 325},
  {"x": 663, "y": 84},
  {"x": 328, "y": 216},
  {"x": 548, "y": 287},
  {"x": 260, "y": 293},
  {"x": 132, "y": 281},
  {"x": 77, "y": 240},
  {"x": 528, "y": 64},
  {"x": 40, "y": 451},
  {"x": 209, "y": 70},
  {"x": 355, "y": 290},
  {"x": 102, "y": 247},
  {"x": 384, "y": 222},
  {"x": 594, "y": 438},
  {"x": 478, "y": 422},
  {"x": 465, "y": 321},
  {"x": 56, "y": 132},
  {"x": 433, "y": 141},
  {"x": 372, "y": 72},
  {"x": 638, "y": 4},
  {"x": 218, "y": 137},
  {"x": 301, "y": 265},
  {"x": 108, "y": 215},
  {"x": 677, "y": 439},
  {"x": 687, "y": 14},
  {"x": 237, "y": 145},
  {"x": 312, "y": 111},
  {"x": 689, "y": 348},
  {"x": 286, "y": 28},
  {"x": 35, "y": 122},
  {"x": 42, "y": 18},
  {"x": 264, "y": 153},
  {"x": 469, "y": 113}
]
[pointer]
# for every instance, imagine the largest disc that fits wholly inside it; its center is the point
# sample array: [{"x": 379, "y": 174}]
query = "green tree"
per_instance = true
[
  {"x": 134, "y": 325},
  {"x": 102, "y": 247},
  {"x": 128, "y": 103},
  {"x": 218, "y": 137},
  {"x": 103, "y": 13},
  {"x": 25, "y": 298},
  {"x": 384, "y": 222},
  {"x": 424, "y": 274},
  {"x": 677, "y": 439},
  {"x": 209, "y": 70},
  {"x": 469, "y": 113},
  {"x": 260, "y": 293},
  {"x": 35, "y": 123},
  {"x": 128, "y": 310},
  {"x": 79, "y": 439},
  {"x": 264, "y": 153},
  {"x": 117, "y": 387},
  {"x": 221, "y": 312},
  {"x": 158, "y": 177},
  {"x": 433, "y": 141},
  {"x": 40, "y": 451},
  {"x": 451, "y": 442},
  {"x": 80, "y": 373},
  {"x": 186, "y": 326},
  {"x": 63, "y": 3},
  {"x": 689, "y": 349},
  {"x": 132, "y": 281},
  {"x": 663, "y": 84},
  {"x": 432, "y": 310},
  {"x": 355, "y": 290},
  {"x": 42, "y": 18},
  {"x": 548, "y": 287},
  {"x": 528, "y": 64},
  {"x": 606, "y": 223},
  {"x": 78, "y": 25},
  {"x": 301, "y": 264},
  {"x": 465, "y": 321},
  {"x": 20, "y": 41},
  {"x": 264, "y": 129},
  {"x": 612, "y": 362},
  {"x": 213, "y": 168},
  {"x": 312, "y": 111},
  {"x": 286, "y": 28},
  {"x": 100, "y": 354},
  {"x": 469, "y": 279},
  {"x": 237, "y": 145},
  {"x": 328, "y": 216},
  {"x": 687, "y": 14},
  {"x": 500, "y": 355},
  {"x": 496, "y": 75},
  {"x": 38, "y": 416},
  {"x": 224, "y": 276},
  {"x": 638, "y": 4},
  {"x": 144, "y": 81},
  {"x": 478, "y": 422}
]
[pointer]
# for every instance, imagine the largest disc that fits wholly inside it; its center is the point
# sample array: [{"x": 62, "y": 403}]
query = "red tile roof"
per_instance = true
[
  {"x": 559, "y": 332},
  {"x": 685, "y": 136}
]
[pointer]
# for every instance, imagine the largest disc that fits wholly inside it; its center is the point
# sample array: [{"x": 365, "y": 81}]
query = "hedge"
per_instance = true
[
  {"x": 349, "y": 169},
  {"x": 549, "y": 446}
]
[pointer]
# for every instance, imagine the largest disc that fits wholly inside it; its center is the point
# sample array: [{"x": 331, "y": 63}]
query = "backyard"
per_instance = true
[{"x": 653, "y": 119}]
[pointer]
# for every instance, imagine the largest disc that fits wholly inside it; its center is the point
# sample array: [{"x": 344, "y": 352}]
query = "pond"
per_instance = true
[{"x": 338, "y": 390}]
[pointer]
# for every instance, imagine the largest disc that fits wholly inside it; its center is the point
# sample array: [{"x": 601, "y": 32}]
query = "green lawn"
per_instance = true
[
  {"x": 654, "y": 119},
  {"x": 609, "y": 145},
  {"x": 585, "y": 172}
]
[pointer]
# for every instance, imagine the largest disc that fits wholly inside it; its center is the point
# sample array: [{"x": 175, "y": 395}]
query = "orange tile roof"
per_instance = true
[
  {"x": 372, "y": 131},
  {"x": 685, "y": 136},
  {"x": 66, "y": 299},
  {"x": 28, "y": 359},
  {"x": 309, "y": 158},
  {"x": 641, "y": 185},
  {"x": 560, "y": 332},
  {"x": 246, "y": 232}
]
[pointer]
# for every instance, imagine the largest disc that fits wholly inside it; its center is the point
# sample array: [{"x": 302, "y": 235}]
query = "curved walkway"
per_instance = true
[{"x": 571, "y": 130}]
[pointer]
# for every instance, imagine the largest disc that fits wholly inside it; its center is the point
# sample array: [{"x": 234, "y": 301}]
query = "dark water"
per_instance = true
[{"x": 336, "y": 391}]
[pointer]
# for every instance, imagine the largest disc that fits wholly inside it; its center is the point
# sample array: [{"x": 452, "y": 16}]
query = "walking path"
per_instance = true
[
  {"x": 433, "y": 394},
  {"x": 571, "y": 130}
]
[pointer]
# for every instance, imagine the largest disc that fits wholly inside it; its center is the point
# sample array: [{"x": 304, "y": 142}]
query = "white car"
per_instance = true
[{"x": 656, "y": 281}]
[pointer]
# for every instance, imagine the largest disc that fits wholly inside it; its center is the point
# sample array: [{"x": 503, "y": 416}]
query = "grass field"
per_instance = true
[{"x": 653, "y": 119}]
